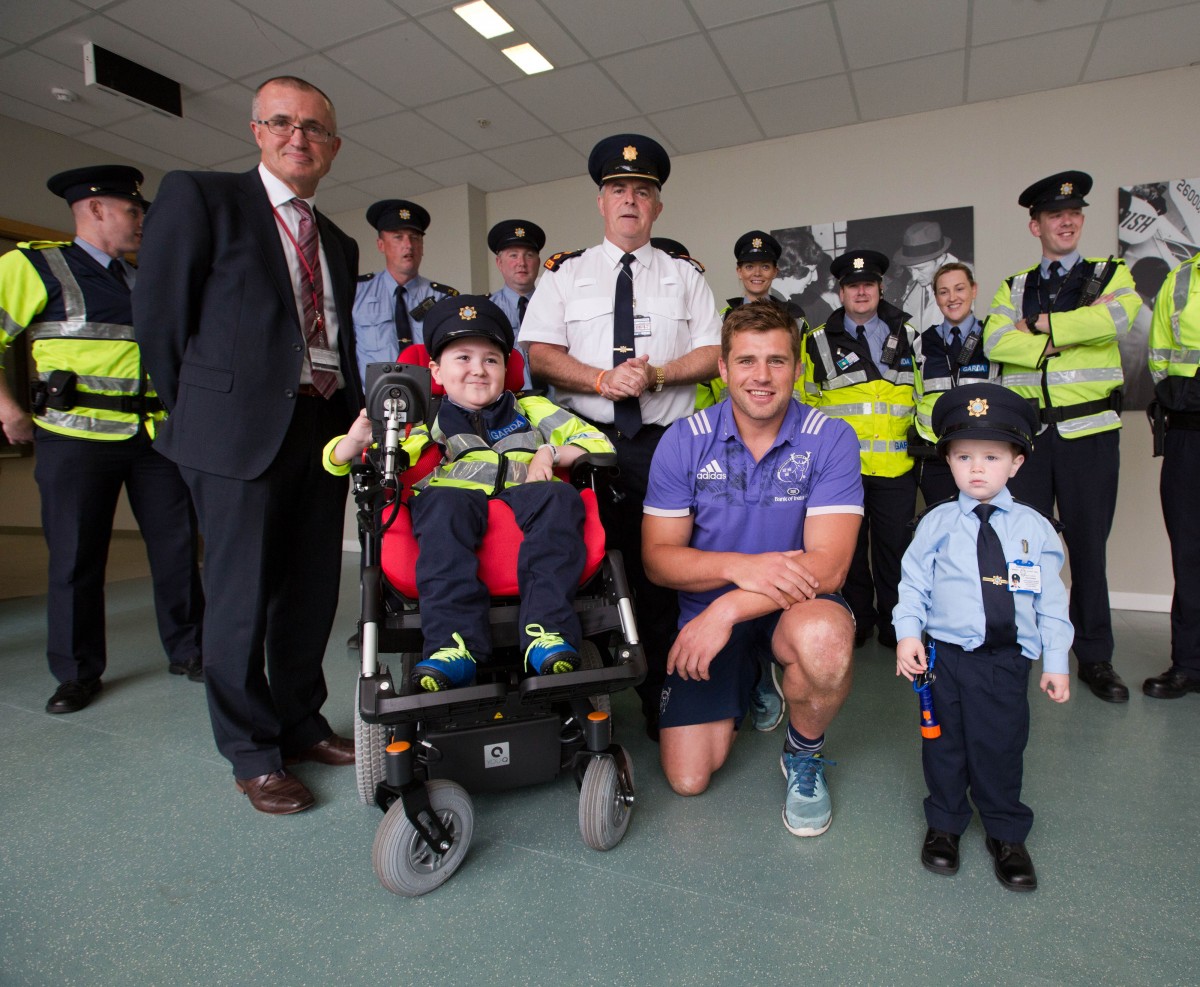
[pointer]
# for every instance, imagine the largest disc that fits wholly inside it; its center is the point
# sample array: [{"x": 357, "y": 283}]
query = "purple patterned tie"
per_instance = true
[{"x": 313, "y": 295}]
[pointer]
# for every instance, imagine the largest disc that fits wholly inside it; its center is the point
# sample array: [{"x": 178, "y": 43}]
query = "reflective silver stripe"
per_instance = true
[
  {"x": 1085, "y": 376},
  {"x": 1178, "y": 357},
  {"x": 866, "y": 445},
  {"x": 80, "y": 423},
  {"x": 72, "y": 294},
  {"x": 80, "y": 330},
  {"x": 120, "y": 385},
  {"x": 519, "y": 442},
  {"x": 1119, "y": 316},
  {"x": 898, "y": 376},
  {"x": 994, "y": 338},
  {"x": 925, "y": 418},
  {"x": 845, "y": 379},
  {"x": 1017, "y": 296},
  {"x": 1105, "y": 419},
  {"x": 1006, "y": 311},
  {"x": 1021, "y": 380},
  {"x": 845, "y": 410},
  {"x": 934, "y": 385},
  {"x": 10, "y": 326},
  {"x": 1183, "y": 280},
  {"x": 810, "y": 387},
  {"x": 556, "y": 420}
]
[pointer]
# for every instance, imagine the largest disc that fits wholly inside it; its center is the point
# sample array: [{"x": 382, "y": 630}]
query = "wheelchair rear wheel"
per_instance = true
[
  {"x": 403, "y": 862},
  {"x": 603, "y": 814}
]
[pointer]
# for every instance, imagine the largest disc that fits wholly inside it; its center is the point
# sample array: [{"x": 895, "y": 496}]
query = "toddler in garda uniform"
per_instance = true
[
  {"x": 494, "y": 444},
  {"x": 981, "y": 579}
]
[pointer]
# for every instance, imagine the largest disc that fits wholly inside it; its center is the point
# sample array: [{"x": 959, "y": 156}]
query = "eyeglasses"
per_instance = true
[{"x": 281, "y": 127}]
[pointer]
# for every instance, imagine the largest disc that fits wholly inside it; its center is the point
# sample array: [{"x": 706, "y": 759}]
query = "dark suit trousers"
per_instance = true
[
  {"x": 1080, "y": 476},
  {"x": 272, "y": 567},
  {"x": 872, "y": 587},
  {"x": 80, "y": 481}
]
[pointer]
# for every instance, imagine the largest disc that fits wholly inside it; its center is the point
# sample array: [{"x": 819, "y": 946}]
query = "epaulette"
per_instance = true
[
  {"x": 684, "y": 257},
  {"x": 1055, "y": 523},
  {"x": 366, "y": 277},
  {"x": 445, "y": 289},
  {"x": 555, "y": 262},
  {"x": 44, "y": 244}
]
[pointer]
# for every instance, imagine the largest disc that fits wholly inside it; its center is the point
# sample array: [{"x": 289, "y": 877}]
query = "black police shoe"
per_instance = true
[
  {"x": 1013, "y": 866},
  {"x": 1172, "y": 684},
  {"x": 1103, "y": 680},
  {"x": 193, "y": 669},
  {"x": 71, "y": 697},
  {"x": 939, "y": 852}
]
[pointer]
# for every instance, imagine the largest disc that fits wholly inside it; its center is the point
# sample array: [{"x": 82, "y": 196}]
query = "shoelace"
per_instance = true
[
  {"x": 805, "y": 778},
  {"x": 541, "y": 638},
  {"x": 445, "y": 654}
]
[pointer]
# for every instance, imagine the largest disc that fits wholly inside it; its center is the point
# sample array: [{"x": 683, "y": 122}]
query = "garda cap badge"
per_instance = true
[
  {"x": 859, "y": 263},
  {"x": 519, "y": 231},
  {"x": 405, "y": 214},
  {"x": 977, "y": 407},
  {"x": 1066, "y": 188},
  {"x": 630, "y": 153},
  {"x": 466, "y": 313},
  {"x": 756, "y": 243}
]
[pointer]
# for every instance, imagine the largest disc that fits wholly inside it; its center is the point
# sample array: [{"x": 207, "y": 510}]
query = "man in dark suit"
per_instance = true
[{"x": 242, "y": 311}]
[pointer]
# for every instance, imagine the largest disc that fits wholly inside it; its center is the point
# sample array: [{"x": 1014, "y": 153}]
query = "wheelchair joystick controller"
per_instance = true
[{"x": 394, "y": 408}]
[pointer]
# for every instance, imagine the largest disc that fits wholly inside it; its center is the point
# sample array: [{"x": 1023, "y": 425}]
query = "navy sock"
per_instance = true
[{"x": 797, "y": 743}]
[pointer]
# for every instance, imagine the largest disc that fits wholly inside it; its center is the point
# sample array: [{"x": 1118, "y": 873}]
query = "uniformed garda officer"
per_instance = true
[
  {"x": 95, "y": 412},
  {"x": 1053, "y": 330},
  {"x": 859, "y": 367},
  {"x": 517, "y": 244},
  {"x": 1174, "y": 360},
  {"x": 946, "y": 355},
  {"x": 390, "y": 307},
  {"x": 624, "y": 332}
]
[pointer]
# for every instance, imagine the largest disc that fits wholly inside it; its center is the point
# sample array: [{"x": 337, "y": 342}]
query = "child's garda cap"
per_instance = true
[
  {"x": 984, "y": 411},
  {"x": 460, "y": 316}
]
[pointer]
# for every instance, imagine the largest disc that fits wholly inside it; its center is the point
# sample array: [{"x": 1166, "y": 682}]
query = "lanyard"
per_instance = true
[{"x": 309, "y": 273}]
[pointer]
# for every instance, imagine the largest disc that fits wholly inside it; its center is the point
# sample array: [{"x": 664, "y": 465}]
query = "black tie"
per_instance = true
[
  {"x": 627, "y": 414},
  {"x": 1054, "y": 281},
  {"x": 522, "y": 304},
  {"x": 403, "y": 326},
  {"x": 955, "y": 347},
  {"x": 118, "y": 272},
  {"x": 1000, "y": 613}
]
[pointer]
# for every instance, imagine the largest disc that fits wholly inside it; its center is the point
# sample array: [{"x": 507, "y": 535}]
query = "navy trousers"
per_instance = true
[
  {"x": 449, "y": 524},
  {"x": 1177, "y": 487},
  {"x": 872, "y": 587},
  {"x": 981, "y": 700}
]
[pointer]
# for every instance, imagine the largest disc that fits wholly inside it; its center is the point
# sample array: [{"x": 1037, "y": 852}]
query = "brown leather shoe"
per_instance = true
[
  {"x": 277, "y": 793},
  {"x": 332, "y": 750}
]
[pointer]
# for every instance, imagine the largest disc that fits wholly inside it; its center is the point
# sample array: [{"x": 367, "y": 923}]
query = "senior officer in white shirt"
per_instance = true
[{"x": 624, "y": 332}]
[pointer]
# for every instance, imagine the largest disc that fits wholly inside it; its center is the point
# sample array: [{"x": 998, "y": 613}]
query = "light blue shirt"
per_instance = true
[
  {"x": 507, "y": 301},
  {"x": 941, "y": 591},
  {"x": 964, "y": 330},
  {"x": 877, "y": 334},
  {"x": 375, "y": 316},
  {"x": 103, "y": 259},
  {"x": 1068, "y": 263}
]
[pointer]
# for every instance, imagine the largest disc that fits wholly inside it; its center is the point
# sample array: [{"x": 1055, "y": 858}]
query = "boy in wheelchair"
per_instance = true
[{"x": 493, "y": 444}]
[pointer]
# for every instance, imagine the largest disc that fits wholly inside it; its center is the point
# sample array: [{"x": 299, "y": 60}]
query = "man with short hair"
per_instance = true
[
  {"x": 623, "y": 332},
  {"x": 390, "y": 307},
  {"x": 517, "y": 244},
  {"x": 752, "y": 514},
  {"x": 923, "y": 249},
  {"x": 1053, "y": 329},
  {"x": 96, "y": 412},
  {"x": 243, "y": 314}
]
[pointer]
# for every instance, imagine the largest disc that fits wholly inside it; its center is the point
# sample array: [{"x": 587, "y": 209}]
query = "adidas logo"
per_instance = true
[{"x": 712, "y": 471}]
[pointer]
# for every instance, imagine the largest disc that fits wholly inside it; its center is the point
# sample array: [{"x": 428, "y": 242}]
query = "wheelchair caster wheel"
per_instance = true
[
  {"x": 404, "y": 863},
  {"x": 370, "y": 743},
  {"x": 603, "y": 814}
]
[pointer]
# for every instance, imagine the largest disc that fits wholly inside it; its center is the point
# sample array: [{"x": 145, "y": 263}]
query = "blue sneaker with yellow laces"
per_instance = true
[
  {"x": 549, "y": 653},
  {"x": 446, "y": 668}
]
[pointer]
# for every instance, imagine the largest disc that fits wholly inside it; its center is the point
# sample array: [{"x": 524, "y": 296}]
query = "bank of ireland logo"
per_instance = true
[
  {"x": 793, "y": 474},
  {"x": 712, "y": 471}
]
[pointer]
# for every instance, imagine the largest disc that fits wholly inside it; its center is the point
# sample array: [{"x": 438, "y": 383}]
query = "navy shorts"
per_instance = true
[{"x": 733, "y": 674}]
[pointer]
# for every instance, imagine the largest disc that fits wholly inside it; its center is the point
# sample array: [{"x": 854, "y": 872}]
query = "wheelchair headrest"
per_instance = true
[{"x": 514, "y": 372}]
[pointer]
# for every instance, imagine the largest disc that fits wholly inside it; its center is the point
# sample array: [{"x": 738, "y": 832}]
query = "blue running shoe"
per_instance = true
[
  {"x": 807, "y": 810},
  {"x": 766, "y": 703},
  {"x": 446, "y": 668},
  {"x": 549, "y": 653}
]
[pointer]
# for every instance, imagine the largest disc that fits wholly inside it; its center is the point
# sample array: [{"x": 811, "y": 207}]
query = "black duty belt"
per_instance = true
[
  {"x": 1051, "y": 416},
  {"x": 1186, "y": 420},
  {"x": 130, "y": 404}
]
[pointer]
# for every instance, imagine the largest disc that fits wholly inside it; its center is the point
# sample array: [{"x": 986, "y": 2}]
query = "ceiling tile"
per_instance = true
[
  {"x": 998, "y": 20},
  {"x": 474, "y": 169},
  {"x": 618, "y": 25},
  {"x": 30, "y": 76},
  {"x": 354, "y": 100},
  {"x": 407, "y": 61},
  {"x": 544, "y": 160},
  {"x": 555, "y": 97},
  {"x": 584, "y": 139},
  {"x": 354, "y": 161},
  {"x": 715, "y": 13},
  {"x": 790, "y": 47},
  {"x": 404, "y": 184},
  {"x": 44, "y": 116},
  {"x": 668, "y": 75},
  {"x": 1048, "y": 61},
  {"x": 875, "y": 33},
  {"x": 188, "y": 139},
  {"x": 483, "y": 55},
  {"x": 323, "y": 24},
  {"x": 803, "y": 107},
  {"x": 66, "y": 47},
  {"x": 234, "y": 41},
  {"x": 1124, "y": 8},
  {"x": 407, "y": 138},
  {"x": 135, "y": 151},
  {"x": 226, "y": 108},
  {"x": 508, "y": 122},
  {"x": 534, "y": 23},
  {"x": 23, "y": 20},
  {"x": 928, "y": 83},
  {"x": 243, "y": 162},
  {"x": 1145, "y": 44},
  {"x": 342, "y": 198},
  {"x": 704, "y": 126}
]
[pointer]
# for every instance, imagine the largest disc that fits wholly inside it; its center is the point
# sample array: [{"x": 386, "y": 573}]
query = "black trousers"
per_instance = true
[
  {"x": 1178, "y": 485},
  {"x": 872, "y": 584},
  {"x": 80, "y": 481},
  {"x": 273, "y": 550},
  {"x": 981, "y": 700},
  {"x": 450, "y": 523},
  {"x": 1080, "y": 477},
  {"x": 657, "y": 608}
]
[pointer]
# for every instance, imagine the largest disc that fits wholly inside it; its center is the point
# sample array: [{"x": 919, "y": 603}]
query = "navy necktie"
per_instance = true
[
  {"x": 118, "y": 271},
  {"x": 1055, "y": 280},
  {"x": 403, "y": 326},
  {"x": 522, "y": 304},
  {"x": 1000, "y": 612},
  {"x": 954, "y": 347},
  {"x": 627, "y": 414}
]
